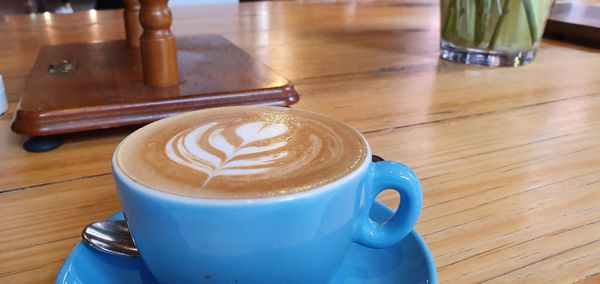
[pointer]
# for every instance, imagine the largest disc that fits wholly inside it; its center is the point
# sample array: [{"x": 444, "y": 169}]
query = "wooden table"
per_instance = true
[{"x": 509, "y": 158}]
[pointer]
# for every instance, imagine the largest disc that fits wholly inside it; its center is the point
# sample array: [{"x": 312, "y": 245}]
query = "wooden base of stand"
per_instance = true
[{"x": 101, "y": 86}]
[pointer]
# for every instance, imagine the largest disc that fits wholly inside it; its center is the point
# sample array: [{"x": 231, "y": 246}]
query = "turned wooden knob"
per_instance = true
[
  {"x": 133, "y": 28},
  {"x": 159, "y": 52}
]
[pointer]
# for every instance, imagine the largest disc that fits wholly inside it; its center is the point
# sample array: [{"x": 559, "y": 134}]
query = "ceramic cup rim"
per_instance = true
[{"x": 310, "y": 193}]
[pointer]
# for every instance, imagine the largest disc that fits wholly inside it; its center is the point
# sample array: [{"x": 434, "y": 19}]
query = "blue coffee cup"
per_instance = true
[{"x": 295, "y": 238}]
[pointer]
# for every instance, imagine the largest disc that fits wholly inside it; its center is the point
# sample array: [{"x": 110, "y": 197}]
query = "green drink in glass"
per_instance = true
[{"x": 492, "y": 32}]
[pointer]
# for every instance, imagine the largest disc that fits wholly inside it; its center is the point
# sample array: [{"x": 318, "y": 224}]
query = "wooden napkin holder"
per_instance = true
[{"x": 147, "y": 77}]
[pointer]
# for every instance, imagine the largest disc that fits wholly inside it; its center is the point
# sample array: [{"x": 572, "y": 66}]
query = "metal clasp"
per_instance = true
[{"x": 63, "y": 67}]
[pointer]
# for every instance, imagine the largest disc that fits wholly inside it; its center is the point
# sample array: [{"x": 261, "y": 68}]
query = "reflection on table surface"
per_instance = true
[{"x": 508, "y": 158}]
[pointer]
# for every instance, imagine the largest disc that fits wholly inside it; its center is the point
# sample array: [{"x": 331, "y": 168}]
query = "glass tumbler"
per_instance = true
[{"x": 492, "y": 32}]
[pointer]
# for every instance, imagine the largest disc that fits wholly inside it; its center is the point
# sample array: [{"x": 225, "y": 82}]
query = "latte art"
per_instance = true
[
  {"x": 243, "y": 159},
  {"x": 241, "y": 152}
]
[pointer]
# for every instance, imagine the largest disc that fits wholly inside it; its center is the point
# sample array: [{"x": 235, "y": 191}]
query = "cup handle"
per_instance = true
[{"x": 389, "y": 175}]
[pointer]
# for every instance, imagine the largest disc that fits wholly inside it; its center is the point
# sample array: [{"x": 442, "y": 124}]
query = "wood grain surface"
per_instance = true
[
  {"x": 509, "y": 158},
  {"x": 131, "y": 17}
]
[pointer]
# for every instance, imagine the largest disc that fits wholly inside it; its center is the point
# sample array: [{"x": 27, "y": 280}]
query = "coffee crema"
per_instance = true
[{"x": 241, "y": 152}]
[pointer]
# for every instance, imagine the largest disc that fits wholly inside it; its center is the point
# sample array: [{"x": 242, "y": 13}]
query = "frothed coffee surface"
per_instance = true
[{"x": 241, "y": 152}]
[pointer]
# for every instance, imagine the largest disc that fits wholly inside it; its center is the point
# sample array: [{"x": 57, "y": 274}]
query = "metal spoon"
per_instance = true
[{"x": 111, "y": 237}]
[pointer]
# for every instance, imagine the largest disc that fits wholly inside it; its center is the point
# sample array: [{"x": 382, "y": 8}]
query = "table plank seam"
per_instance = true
[
  {"x": 588, "y": 277},
  {"x": 13, "y": 272},
  {"x": 40, "y": 244},
  {"x": 392, "y": 70},
  {"x": 502, "y": 198},
  {"x": 510, "y": 245},
  {"x": 506, "y": 246},
  {"x": 545, "y": 258},
  {"x": 20, "y": 189},
  {"x": 463, "y": 117},
  {"x": 513, "y": 167},
  {"x": 495, "y": 151},
  {"x": 452, "y": 227}
]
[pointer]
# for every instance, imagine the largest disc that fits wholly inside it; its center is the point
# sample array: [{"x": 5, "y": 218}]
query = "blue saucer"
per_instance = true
[{"x": 407, "y": 262}]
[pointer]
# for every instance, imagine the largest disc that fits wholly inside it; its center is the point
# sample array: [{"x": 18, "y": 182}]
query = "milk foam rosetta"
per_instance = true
[{"x": 241, "y": 152}]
